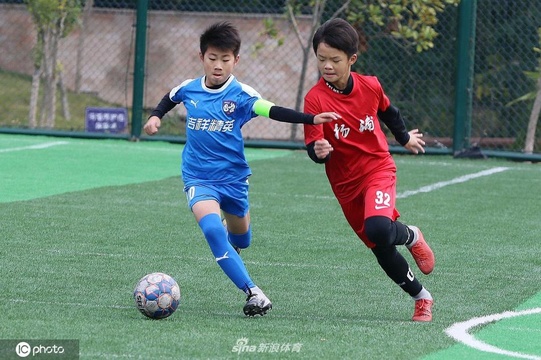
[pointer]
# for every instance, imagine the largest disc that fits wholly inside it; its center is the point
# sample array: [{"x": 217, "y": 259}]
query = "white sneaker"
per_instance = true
[{"x": 257, "y": 304}]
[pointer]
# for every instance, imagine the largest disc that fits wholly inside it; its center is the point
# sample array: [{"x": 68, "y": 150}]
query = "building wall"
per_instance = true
[{"x": 102, "y": 55}]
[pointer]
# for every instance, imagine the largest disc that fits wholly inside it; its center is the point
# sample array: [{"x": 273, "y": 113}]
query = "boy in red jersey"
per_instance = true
[{"x": 360, "y": 169}]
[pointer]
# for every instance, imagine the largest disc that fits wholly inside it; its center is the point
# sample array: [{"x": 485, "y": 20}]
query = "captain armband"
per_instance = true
[{"x": 262, "y": 107}]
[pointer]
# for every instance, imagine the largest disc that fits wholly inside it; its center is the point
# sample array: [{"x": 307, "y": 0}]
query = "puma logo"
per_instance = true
[{"x": 223, "y": 257}]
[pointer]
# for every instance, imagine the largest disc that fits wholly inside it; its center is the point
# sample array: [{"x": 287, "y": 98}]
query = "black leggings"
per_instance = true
[{"x": 386, "y": 234}]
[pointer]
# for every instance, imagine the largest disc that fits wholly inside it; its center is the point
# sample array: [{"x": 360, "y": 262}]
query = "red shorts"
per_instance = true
[{"x": 377, "y": 198}]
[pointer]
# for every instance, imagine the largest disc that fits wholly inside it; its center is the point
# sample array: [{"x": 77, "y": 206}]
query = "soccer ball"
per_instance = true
[{"x": 157, "y": 295}]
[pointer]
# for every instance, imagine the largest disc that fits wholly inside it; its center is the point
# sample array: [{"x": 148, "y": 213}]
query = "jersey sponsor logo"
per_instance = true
[
  {"x": 341, "y": 130},
  {"x": 201, "y": 124},
  {"x": 229, "y": 107},
  {"x": 367, "y": 124}
]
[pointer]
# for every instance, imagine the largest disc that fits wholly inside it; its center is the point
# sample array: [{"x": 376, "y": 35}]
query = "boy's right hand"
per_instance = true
[
  {"x": 152, "y": 125},
  {"x": 326, "y": 117}
]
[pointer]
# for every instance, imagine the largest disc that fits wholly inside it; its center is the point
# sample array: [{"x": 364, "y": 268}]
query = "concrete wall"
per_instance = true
[{"x": 106, "y": 48}]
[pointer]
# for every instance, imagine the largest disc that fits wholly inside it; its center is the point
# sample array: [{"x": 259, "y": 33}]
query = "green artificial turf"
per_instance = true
[{"x": 82, "y": 222}]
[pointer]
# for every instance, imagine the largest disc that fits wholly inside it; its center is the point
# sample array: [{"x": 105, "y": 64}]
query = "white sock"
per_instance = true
[
  {"x": 423, "y": 294},
  {"x": 254, "y": 290},
  {"x": 415, "y": 230}
]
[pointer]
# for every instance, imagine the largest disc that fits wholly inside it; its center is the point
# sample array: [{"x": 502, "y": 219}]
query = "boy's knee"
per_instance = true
[{"x": 378, "y": 229}]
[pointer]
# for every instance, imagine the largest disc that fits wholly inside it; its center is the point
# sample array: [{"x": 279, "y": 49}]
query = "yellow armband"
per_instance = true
[{"x": 262, "y": 107}]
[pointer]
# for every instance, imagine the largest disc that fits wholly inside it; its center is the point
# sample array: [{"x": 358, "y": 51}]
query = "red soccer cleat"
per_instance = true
[
  {"x": 421, "y": 252},
  {"x": 423, "y": 310}
]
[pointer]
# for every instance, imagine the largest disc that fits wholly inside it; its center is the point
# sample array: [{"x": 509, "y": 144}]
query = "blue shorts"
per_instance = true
[{"x": 232, "y": 197}]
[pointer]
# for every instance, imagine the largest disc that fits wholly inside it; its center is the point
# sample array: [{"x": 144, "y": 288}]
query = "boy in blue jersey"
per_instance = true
[{"x": 214, "y": 169}]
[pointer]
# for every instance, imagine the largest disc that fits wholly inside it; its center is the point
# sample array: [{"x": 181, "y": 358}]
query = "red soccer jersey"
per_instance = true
[{"x": 360, "y": 145}]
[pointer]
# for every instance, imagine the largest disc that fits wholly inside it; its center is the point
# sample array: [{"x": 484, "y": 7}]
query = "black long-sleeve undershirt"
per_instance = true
[
  {"x": 290, "y": 116},
  {"x": 277, "y": 113},
  {"x": 394, "y": 121},
  {"x": 165, "y": 105}
]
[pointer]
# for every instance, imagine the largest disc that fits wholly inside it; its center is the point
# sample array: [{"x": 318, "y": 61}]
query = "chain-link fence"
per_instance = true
[
  {"x": 507, "y": 33},
  {"x": 96, "y": 67}
]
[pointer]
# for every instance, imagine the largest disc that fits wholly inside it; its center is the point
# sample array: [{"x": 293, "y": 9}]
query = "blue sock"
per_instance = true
[
  {"x": 228, "y": 259},
  {"x": 243, "y": 240}
]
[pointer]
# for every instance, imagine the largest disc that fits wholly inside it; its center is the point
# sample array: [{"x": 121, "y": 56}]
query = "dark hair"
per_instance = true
[
  {"x": 339, "y": 34},
  {"x": 222, "y": 35}
]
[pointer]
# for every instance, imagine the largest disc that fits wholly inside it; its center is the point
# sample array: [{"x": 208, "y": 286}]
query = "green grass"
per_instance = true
[
  {"x": 71, "y": 258},
  {"x": 15, "y": 95}
]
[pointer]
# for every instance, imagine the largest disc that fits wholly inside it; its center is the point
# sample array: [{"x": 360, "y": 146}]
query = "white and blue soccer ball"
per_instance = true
[{"x": 157, "y": 295}]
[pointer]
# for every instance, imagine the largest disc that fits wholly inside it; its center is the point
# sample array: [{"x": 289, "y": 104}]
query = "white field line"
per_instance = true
[
  {"x": 35, "y": 147},
  {"x": 405, "y": 194},
  {"x": 104, "y": 145},
  {"x": 296, "y": 265},
  {"x": 424, "y": 189},
  {"x": 197, "y": 259},
  {"x": 120, "y": 356},
  {"x": 458, "y": 180},
  {"x": 460, "y": 332},
  {"x": 135, "y": 146},
  {"x": 408, "y": 193},
  {"x": 193, "y": 310},
  {"x": 84, "y": 305}
]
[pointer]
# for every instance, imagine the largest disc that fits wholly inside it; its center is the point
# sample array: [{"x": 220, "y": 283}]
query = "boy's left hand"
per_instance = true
[
  {"x": 415, "y": 143},
  {"x": 326, "y": 117}
]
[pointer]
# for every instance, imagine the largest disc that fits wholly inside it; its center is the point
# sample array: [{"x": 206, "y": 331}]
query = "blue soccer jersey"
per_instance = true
[{"x": 214, "y": 150}]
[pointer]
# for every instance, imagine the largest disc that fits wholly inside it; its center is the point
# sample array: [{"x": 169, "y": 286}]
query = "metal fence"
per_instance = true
[{"x": 96, "y": 69}]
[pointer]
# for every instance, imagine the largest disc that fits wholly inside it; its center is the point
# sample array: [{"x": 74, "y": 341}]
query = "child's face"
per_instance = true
[
  {"x": 334, "y": 65},
  {"x": 218, "y": 65}
]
